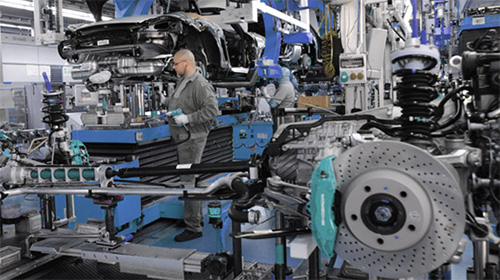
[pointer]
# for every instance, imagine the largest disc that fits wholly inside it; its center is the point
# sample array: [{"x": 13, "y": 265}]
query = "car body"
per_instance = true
[{"x": 144, "y": 45}]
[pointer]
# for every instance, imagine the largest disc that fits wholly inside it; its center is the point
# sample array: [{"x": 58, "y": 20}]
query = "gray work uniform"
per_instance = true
[
  {"x": 285, "y": 97},
  {"x": 196, "y": 97}
]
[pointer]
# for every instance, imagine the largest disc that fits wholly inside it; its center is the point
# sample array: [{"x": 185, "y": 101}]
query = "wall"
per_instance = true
[{"x": 23, "y": 61}]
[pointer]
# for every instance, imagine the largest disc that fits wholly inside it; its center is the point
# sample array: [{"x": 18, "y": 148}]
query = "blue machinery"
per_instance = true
[
  {"x": 250, "y": 138},
  {"x": 131, "y": 213}
]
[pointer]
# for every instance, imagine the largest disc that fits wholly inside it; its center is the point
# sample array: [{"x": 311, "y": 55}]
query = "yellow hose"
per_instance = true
[{"x": 327, "y": 42}]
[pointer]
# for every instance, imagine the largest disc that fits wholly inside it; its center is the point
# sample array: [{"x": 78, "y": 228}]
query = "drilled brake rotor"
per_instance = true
[{"x": 403, "y": 211}]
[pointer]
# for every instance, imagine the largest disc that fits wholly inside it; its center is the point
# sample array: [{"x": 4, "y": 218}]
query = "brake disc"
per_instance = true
[{"x": 403, "y": 212}]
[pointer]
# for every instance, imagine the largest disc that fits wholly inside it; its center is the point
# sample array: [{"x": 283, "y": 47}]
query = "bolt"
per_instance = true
[
  {"x": 383, "y": 213},
  {"x": 474, "y": 159}
]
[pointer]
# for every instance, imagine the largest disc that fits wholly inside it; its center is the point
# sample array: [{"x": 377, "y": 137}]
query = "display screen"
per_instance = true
[{"x": 352, "y": 62}]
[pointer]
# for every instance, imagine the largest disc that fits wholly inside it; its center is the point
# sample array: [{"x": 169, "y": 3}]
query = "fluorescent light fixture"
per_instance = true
[
  {"x": 32, "y": 32},
  {"x": 15, "y": 26},
  {"x": 81, "y": 15},
  {"x": 17, "y": 4},
  {"x": 28, "y": 6}
]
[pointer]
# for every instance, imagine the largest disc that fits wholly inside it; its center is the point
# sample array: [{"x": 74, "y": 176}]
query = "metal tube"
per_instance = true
[
  {"x": 314, "y": 264},
  {"x": 48, "y": 212},
  {"x": 110, "y": 222},
  {"x": 52, "y": 207},
  {"x": 133, "y": 102},
  {"x": 60, "y": 19},
  {"x": 237, "y": 253},
  {"x": 280, "y": 253},
  {"x": 126, "y": 189},
  {"x": 480, "y": 258},
  {"x": 1, "y": 223},
  {"x": 121, "y": 95},
  {"x": 182, "y": 169},
  {"x": 140, "y": 101},
  {"x": 65, "y": 235},
  {"x": 70, "y": 210},
  {"x": 139, "y": 190},
  {"x": 273, "y": 233},
  {"x": 276, "y": 181}
]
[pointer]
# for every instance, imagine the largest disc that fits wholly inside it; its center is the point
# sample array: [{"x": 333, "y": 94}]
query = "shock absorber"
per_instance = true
[
  {"x": 53, "y": 107},
  {"x": 415, "y": 92},
  {"x": 55, "y": 117},
  {"x": 414, "y": 65}
]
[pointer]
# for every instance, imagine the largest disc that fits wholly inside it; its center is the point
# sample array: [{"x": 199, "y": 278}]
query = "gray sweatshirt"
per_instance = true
[{"x": 196, "y": 97}]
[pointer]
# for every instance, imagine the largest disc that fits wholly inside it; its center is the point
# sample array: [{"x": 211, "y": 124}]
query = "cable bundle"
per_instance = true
[{"x": 327, "y": 42}]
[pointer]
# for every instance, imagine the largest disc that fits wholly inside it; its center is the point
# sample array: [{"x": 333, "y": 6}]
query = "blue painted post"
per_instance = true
[{"x": 414, "y": 22}]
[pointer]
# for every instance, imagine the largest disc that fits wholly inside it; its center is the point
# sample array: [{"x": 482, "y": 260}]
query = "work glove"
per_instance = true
[
  {"x": 181, "y": 119},
  {"x": 264, "y": 92}
]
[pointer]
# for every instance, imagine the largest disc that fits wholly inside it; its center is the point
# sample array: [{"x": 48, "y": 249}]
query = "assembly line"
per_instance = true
[{"x": 273, "y": 139}]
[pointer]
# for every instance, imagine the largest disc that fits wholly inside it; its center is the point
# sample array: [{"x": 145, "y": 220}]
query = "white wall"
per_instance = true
[{"x": 23, "y": 61}]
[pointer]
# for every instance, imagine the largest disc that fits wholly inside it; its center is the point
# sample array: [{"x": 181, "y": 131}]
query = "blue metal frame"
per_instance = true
[
  {"x": 139, "y": 135},
  {"x": 490, "y": 21},
  {"x": 298, "y": 38},
  {"x": 127, "y": 8},
  {"x": 228, "y": 100},
  {"x": 272, "y": 49},
  {"x": 442, "y": 34},
  {"x": 131, "y": 135}
]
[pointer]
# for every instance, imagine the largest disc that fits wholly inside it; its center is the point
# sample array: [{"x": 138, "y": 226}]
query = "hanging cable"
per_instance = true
[{"x": 327, "y": 42}]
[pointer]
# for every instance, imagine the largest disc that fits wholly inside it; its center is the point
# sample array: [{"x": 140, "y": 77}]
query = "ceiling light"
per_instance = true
[
  {"x": 28, "y": 6},
  {"x": 18, "y": 27},
  {"x": 81, "y": 15},
  {"x": 15, "y": 26}
]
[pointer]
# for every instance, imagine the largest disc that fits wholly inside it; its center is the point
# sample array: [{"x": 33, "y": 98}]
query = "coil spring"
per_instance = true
[
  {"x": 54, "y": 109},
  {"x": 415, "y": 93},
  {"x": 327, "y": 53}
]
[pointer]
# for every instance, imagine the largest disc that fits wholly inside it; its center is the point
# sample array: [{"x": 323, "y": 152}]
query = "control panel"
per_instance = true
[
  {"x": 250, "y": 138},
  {"x": 352, "y": 69}
]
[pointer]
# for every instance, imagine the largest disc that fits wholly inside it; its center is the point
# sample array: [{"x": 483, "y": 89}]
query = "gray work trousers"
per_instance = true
[{"x": 191, "y": 152}]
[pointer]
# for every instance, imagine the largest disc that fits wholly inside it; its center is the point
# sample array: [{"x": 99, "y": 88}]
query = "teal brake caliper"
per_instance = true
[
  {"x": 323, "y": 187},
  {"x": 79, "y": 152}
]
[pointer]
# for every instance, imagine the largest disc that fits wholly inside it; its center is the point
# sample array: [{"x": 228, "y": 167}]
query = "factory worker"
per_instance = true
[
  {"x": 195, "y": 96},
  {"x": 285, "y": 93}
]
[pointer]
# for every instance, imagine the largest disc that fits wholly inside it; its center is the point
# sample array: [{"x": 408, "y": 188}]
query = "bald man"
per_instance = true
[{"x": 195, "y": 96}]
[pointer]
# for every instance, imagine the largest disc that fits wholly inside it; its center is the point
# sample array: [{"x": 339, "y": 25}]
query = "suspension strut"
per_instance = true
[
  {"x": 55, "y": 117},
  {"x": 54, "y": 109},
  {"x": 415, "y": 92}
]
